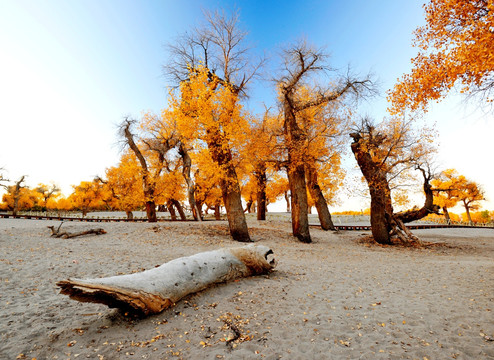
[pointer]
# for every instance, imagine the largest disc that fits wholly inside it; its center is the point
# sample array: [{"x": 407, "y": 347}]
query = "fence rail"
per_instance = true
[{"x": 143, "y": 219}]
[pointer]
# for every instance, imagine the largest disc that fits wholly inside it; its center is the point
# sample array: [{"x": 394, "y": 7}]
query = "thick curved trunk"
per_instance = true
[
  {"x": 428, "y": 208},
  {"x": 154, "y": 290},
  {"x": 381, "y": 209}
]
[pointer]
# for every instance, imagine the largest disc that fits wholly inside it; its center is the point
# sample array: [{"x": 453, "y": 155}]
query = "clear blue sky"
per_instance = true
[{"x": 70, "y": 70}]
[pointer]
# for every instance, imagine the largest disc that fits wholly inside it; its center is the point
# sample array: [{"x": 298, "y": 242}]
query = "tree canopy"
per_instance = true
[{"x": 455, "y": 49}]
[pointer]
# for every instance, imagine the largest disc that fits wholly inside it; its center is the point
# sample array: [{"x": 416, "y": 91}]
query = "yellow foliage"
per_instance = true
[{"x": 455, "y": 48}]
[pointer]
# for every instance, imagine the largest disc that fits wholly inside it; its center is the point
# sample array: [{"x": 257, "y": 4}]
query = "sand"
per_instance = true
[{"x": 337, "y": 298}]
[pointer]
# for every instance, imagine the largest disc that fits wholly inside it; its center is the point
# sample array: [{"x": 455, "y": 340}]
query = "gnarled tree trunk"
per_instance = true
[
  {"x": 384, "y": 222},
  {"x": 381, "y": 209}
]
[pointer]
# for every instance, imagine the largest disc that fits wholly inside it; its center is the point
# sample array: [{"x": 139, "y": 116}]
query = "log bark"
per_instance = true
[
  {"x": 154, "y": 290},
  {"x": 67, "y": 235}
]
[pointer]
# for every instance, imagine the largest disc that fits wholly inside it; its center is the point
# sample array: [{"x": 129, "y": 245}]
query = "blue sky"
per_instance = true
[{"x": 70, "y": 70}]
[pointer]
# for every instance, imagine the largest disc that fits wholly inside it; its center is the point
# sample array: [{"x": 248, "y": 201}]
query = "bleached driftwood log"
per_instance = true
[
  {"x": 154, "y": 290},
  {"x": 66, "y": 235}
]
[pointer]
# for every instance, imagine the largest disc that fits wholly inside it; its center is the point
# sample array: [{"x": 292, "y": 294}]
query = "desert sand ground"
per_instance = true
[{"x": 337, "y": 298}]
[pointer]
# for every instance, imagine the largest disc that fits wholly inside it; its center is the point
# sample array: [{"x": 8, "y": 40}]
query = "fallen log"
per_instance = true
[
  {"x": 152, "y": 291},
  {"x": 67, "y": 235}
]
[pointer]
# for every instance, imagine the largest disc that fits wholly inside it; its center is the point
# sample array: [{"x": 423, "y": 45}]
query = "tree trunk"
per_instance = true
[
  {"x": 248, "y": 206},
  {"x": 261, "y": 179},
  {"x": 428, "y": 208},
  {"x": 151, "y": 211},
  {"x": 321, "y": 204},
  {"x": 234, "y": 211},
  {"x": 446, "y": 214},
  {"x": 296, "y": 174},
  {"x": 17, "y": 195},
  {"x": 381, "y": 209},
  {"x": 191, "y": 186},
  {"x": 180, "y": 209},
  {"x": 171, "y": 210},
  {"x": 130, "y": 215},
  {"x": 300, "y": 218},
  {"x": 379, "y": 218},
  {"x": 217, "y": 212},
  {"x": 287, "y": 199},
  {"x": 468, "y": 212},
  {"x": 230, "y": 189}
]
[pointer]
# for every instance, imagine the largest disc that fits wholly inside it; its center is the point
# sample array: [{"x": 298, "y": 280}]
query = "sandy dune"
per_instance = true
[{"x": 334, "y": 299}]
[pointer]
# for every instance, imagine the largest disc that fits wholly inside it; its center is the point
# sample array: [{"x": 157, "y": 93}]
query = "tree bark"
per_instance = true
[
  {"x": 154, "y": 290},
  {"x": 67, "y": 235},
  {"x": 180, "y": 209},
  {"x": 248, "y": 206},
  {"x": 171, "y": 210},
  {"x": 287, "y": 199},
  {"x": 191, "y": 186},
  {"x": 299, "y": 204},
  {"x": 130, "y": 215},
  {"x": 296, "y": 174},
  {"x": 261, "y": 180},
  {"x": 428, "y": 208},
  {"x": 151, "y": 211},
  {"x": 217, "y": 212},
  {"x": 149, "y": 189},
  {"x": 17, "y": 195},
  {"x": 230, "y": 188},
  {"x": 234, "y": 211},
  {"x": 381, "y": 209},
  {"x": 446, "y": 214},
  {"x": 468, "y": 211},
  {"x": 320, "y": 202}
]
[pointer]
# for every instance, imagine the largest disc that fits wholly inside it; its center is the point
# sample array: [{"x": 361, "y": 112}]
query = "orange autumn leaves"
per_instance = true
[{"x": 455, "y": 49}]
